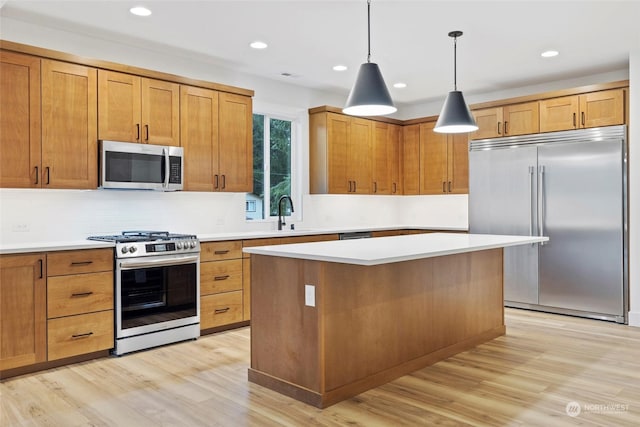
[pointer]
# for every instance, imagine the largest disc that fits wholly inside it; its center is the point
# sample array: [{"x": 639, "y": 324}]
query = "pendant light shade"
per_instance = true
[
  {"x": 369, "y": 95},
  {"x": 455, "y": 116}
]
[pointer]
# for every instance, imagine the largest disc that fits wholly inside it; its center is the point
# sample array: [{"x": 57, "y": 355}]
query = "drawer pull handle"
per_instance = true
[
  {"x": 226, "y": 251},
  {"x": 80, "y": 263},
  {"x": 37, "y": 177},
  {"x": 225, "y": 277},
  {"x": 82, "y": 294},
  {"x": 78, "y": 336},
  {"x": 221, "y": 310}
]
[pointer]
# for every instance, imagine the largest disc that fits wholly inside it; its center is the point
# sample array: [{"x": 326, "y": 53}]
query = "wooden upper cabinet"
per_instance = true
[
  {"x": 235, "y": 140},
  {"x": 458, "y": 164},
  {"x": 337, "y": 137},
  {"x": 490, "y": 123},
  {"x": 521, "y": 119},
  {"x": 444, "y": 162},
  {"x": 382, "y": 152},
  {"x": 603, "y": 108},
  {"x": 20, "y": 150},
  {"x": 394, "y": 151},
  {"x": 23, "y": 310},
  {"x": 359, "y": 161},
  {"x": 433, "y": 160},
  {"x": 199, "y": 137},
  {"x": 510, "y": 120},
  {"x": 138, "y": 109},
  {"x": 411, "y": 159},
  {"x": 160, "y": 112},
  {"x": 69, "y": 118}
]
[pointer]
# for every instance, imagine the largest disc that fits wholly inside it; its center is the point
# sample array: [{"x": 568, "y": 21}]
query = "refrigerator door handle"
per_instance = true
[
  {"x": 531, "y": 200},
  {"x": 541, "y": 197}
]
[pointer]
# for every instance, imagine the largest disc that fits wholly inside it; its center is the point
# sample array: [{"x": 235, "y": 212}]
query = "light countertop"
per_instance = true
[
  {"x": 44, "y": 246},
  {"x": 384, "y": 250}
]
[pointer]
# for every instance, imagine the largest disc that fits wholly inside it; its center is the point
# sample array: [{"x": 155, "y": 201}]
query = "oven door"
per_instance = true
[{"x": 157, "y": 293}]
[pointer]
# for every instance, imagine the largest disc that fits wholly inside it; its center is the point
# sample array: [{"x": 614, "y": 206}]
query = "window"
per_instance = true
[{"x": 272, "y": 143}]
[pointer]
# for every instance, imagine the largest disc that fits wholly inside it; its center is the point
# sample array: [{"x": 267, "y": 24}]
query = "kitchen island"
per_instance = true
[{"x": 330, "y": 320}]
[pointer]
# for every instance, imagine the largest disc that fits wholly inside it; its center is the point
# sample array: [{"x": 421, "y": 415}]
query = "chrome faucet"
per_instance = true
[{"x": 280, "y": 215}]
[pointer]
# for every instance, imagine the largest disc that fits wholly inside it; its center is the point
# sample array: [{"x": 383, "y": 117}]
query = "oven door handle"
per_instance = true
[{"x": 128, "y": 265}]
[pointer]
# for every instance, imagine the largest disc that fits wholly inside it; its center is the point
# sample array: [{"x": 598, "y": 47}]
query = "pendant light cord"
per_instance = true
[
  {"x": 455, "y": 65},
  {"x": 368, "y": 30}
]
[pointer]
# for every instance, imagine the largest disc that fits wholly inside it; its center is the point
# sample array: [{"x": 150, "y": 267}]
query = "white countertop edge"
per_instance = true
[
  {"x": 21, "y": 248},
  {"x": 326, "y": 251},
  {"x": 313, "y": 232},
  {"x": 17, "y": 248}
]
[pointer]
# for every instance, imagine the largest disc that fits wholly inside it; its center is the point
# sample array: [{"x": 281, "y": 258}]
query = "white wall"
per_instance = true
[{"x": 634, "y": 188}]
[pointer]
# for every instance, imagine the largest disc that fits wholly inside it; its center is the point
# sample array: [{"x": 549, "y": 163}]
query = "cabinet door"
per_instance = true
[
  {"x": 236, "y": 143},
  {"x": 119, "y": 107},
  {"x": 411, "y": 159},
  {"x": 603, "y": 108},
  {"x": 359, "y": 163},
  {"x": 458, "y": 163},
  {"x": 160, "y": 112},
  {"x": 521, "y": 119},
  {"x": 489, "y": 121},
  {"x": 433, "y": 160},
  {"x": 338, "y": 130},
  {"x": 394, "y": 150},
  {"x": 559, "y": 114},
  {"x": 381, "y": 172},
  {"x": 20, "y": 161},
  {"x": 69, "y": 118},
  {"x": 23, "y": 310},
  {"x": 199, "y": 137}
]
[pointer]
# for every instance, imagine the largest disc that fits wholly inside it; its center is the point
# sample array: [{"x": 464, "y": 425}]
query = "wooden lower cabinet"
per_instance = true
[
  {"x": 23, "y": 310},
  {"x": 221, "y": 284},
  {"x": 80, "y": 334},
  {"x": 220, "y": 309},
  {"x": 54, "y": 306}
]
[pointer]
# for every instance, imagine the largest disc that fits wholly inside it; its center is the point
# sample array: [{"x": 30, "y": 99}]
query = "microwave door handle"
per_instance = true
[
  {"x": 165, "y": 152},
  {"x": 128, "y": 265}
]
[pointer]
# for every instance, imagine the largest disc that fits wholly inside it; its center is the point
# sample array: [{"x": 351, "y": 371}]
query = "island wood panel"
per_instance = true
[{"x": 356, "y": 338}]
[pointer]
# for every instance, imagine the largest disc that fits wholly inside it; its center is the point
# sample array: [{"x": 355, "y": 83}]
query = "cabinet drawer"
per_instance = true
[
  {"x": 84, "y": 261},
  {"x": 220, "y": 276},
  {"x": 215, "y": 251},
  {"x": 81, "y": 334},
  {"x": 79, "y": 293},
  {"x": 220, "y": 309}
]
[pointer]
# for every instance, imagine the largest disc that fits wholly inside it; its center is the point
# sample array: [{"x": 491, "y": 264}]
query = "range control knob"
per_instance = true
[
  {"x": 132, "y": 249},
  {"x": 179, "y": 245},
  {"x": 193, "y": 243},
  {"x": 124, "y": 250}
]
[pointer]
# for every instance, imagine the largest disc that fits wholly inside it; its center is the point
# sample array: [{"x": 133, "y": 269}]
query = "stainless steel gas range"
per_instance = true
[{"x": 157, "y": 288}]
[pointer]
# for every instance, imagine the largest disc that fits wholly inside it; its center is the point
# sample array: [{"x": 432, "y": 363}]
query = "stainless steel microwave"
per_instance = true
[{"x": 126, "y": 165}]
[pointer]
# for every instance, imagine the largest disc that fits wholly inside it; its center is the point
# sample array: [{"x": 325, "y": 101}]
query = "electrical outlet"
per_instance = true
[
  {"x": 310, "y": 295},
  {"x": 20, "y": 228}
]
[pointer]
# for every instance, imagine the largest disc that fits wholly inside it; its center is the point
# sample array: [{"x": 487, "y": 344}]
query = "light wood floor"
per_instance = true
[{"x": 524, "y": 378}]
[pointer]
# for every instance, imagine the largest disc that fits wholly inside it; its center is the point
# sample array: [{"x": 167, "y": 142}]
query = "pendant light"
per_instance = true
[
  {"x": 369, "y": 95},
  {"x": 455, "y": 116}
]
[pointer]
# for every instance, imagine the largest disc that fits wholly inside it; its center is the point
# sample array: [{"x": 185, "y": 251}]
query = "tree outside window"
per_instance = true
[{"x": 271, "y": 165}]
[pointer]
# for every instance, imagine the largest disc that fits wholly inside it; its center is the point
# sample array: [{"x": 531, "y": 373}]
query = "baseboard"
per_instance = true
[{"x": 634, "y": 318}]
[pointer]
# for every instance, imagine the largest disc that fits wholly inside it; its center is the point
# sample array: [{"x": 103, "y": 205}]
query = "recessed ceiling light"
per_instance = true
[
  {"x": 339, "y": 68},
  {"x": 258, "y": 45},
  {"x": 400, "y": 85},
  {"x": 549, "y": 53},
  {"x": 140, "y": 11}
]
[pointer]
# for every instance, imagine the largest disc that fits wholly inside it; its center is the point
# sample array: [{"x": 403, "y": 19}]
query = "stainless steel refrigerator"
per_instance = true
[{"x": 572, "y": 187}]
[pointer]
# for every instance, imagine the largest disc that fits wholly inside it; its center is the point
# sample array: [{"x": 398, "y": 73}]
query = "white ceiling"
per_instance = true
[{"x": 500, "y": 48}]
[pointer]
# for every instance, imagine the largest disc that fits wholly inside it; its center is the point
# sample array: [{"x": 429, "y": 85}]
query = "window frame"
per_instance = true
[{"x": 296, "y": 152}]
